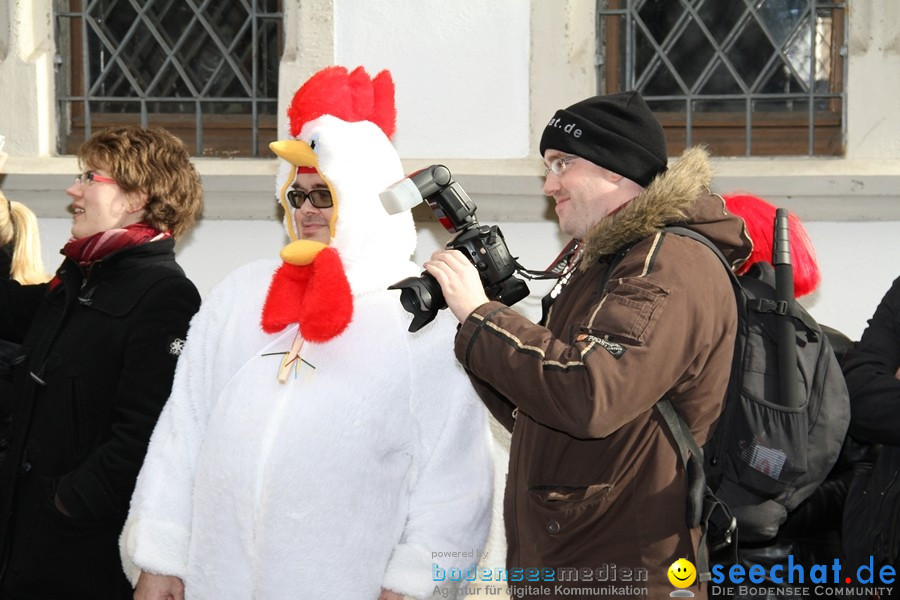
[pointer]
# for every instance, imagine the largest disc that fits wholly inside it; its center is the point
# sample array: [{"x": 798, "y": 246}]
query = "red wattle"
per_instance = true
[
  {"x": 328, "y": 306},
  {"x": 316, "y": 296},
  {"x": 286, "y": 292}
]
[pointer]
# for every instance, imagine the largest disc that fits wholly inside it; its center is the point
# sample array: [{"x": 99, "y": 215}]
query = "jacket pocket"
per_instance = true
[
  {"x": 561, "y": 497},
  {"x": 629, "y": 311},
  {"x": 568, "y": 510},
  {"x": 77, "y": 418},
  {"x": 56, "y": 556}
]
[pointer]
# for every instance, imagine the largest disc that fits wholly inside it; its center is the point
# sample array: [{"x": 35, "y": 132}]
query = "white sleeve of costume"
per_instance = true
[
  {"x": 156, "y": 536},
  {"x": 452, "y": 482}
]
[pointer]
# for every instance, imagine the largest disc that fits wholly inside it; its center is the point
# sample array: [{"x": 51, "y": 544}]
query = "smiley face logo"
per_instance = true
[{"x": 682, "y": 573}]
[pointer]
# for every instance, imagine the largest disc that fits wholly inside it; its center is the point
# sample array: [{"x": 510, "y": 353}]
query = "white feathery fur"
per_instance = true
[
  {"x": 346, "y": 478},
  {"x": 359, "y": 162}
]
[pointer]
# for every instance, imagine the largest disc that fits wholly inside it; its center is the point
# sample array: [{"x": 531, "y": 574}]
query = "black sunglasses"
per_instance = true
[{"x": 319, "y": 198}]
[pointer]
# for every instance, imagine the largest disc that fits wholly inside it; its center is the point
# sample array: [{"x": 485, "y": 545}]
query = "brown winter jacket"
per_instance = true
[{"x": 594, "y": 479}]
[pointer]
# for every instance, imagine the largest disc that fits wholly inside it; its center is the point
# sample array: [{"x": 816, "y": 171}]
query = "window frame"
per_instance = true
[
  {"x": 738, "y": 133},
  {"x": 207, "y": 134}
]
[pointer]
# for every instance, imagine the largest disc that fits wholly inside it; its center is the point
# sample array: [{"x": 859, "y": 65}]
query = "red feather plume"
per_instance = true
[
  {"x": 759, "y": 216},
  {"x": 351, "y": 97}
]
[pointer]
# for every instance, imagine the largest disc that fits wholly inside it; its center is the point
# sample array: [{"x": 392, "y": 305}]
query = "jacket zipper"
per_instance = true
[{"x": 514, "y": 477}]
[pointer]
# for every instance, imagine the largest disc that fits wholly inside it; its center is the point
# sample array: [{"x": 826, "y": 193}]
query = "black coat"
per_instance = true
[
  {"x": 7, "y": 354},
  {"x": 870, "y": 368},
  {"x": 872, "y": 511},
  {"x": 100, "y": 354}
]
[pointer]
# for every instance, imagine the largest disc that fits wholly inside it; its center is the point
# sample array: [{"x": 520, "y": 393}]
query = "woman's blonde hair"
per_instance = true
[
  {"x": 152, "y": 161},
  {"x": 19, "y": 226}
]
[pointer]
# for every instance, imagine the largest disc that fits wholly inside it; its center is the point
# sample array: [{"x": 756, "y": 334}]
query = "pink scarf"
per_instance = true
[{"x": 86, "y": 251}]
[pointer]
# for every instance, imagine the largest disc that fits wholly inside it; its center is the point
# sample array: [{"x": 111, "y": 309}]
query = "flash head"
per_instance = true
[
  {"x": 411, "y": 190},
  {"x": 401, "y": 196}
]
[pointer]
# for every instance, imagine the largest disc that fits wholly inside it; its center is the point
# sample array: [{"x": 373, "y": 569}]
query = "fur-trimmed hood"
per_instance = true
[{"x": 680, "y": 196}]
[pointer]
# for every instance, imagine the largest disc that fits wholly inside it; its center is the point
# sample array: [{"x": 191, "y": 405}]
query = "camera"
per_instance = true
[{"x": 483, "y": 245}]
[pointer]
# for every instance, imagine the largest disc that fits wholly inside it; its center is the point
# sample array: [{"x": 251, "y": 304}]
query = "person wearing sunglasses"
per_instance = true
[
  {"x": 637, "y": 315},
  {"x": 312, "y": 447},
  {"x": 313, "y": 206},
  {"x": 99, "y": 345}
]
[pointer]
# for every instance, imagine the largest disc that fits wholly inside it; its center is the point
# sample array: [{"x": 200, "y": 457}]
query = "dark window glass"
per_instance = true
[
  {"x": 207, "y": 70},
  {"x": 745, "y": 77}
]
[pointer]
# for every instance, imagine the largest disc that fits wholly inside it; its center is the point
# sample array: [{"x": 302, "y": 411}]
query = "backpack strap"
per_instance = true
[
  {"x": 765, "y": 305},
  {"x": 688, "y": 449},
  {"x": 713, "y": 511},
  {"x": 735, "y": 379},
  {"x": 614, "y": 261},
  {"x": 704, "y": 508},
  {"x": 760, "y": 305},
  {"x": 690, "y": 233}
]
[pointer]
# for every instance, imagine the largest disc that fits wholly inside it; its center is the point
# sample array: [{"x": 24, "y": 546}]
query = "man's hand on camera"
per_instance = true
[{"x": 459, "y": 280}]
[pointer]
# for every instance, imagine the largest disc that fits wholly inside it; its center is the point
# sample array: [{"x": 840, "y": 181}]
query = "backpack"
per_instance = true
[{"x": 764, "y": 458}]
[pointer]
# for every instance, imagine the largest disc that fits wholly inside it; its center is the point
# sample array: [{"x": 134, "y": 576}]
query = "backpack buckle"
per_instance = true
[{"x": 781, "y": 307}]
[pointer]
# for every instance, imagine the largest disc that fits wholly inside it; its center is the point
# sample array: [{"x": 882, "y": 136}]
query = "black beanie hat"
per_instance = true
[{"x": 617, "y": 132}]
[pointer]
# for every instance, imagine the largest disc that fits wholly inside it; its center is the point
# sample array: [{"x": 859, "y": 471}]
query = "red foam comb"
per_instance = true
[{"x": 352, "y": 96}]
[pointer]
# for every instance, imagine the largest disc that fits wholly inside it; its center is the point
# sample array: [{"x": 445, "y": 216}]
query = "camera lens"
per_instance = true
[{"x": 422, "y": 297}]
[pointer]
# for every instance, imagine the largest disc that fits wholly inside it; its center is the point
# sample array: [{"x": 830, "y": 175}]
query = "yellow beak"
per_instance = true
[
  {"x": 301, "y": 252},
  {"x": 295, "y": 152}
]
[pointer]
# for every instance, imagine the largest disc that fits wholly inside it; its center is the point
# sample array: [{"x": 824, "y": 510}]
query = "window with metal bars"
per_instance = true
[
  {"x": 744, "y": 77},
  {"x": 207, "y": 70}
]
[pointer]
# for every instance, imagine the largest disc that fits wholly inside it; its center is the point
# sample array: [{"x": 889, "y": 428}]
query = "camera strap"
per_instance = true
[
  {"x": 557, "y": 268},
  {"x": 561, "y": 269}
]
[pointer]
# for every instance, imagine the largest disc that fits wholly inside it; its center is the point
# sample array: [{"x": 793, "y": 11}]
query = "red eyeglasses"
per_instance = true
[{"x": 89, "y": 177}]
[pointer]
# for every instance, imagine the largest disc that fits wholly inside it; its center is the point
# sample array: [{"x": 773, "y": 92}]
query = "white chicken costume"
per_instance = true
[{"x": 370, "y": 455}]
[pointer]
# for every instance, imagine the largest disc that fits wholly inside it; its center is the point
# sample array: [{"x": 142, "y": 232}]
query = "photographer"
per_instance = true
[{"x": 594, "y": 478}]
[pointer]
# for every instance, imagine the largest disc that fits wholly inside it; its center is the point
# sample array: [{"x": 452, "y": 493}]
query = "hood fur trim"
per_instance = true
[{"x": 665, "y": 201}]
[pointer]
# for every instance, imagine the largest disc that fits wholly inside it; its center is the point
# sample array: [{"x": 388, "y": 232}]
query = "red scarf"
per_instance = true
[{"x": 86, "y": 251}]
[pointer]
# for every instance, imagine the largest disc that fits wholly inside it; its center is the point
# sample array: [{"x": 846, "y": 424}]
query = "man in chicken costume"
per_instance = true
[{"x": 312, "y": 447}]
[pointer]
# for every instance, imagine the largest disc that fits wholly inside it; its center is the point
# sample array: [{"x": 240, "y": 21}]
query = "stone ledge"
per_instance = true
[{"x": 817, "y": 190}]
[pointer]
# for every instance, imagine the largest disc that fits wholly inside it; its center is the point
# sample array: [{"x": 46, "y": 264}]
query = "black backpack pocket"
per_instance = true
[{"x": 768, "y": 459}]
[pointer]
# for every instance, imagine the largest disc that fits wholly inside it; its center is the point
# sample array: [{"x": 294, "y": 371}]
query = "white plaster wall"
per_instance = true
[
  {"x": 26, "y": 76},
  {"x": 855, "y": 259},
  {"x": 873, "y": 84},
  {"x": 857, "y": 263},
  {"x": 460, "y": 69}
]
